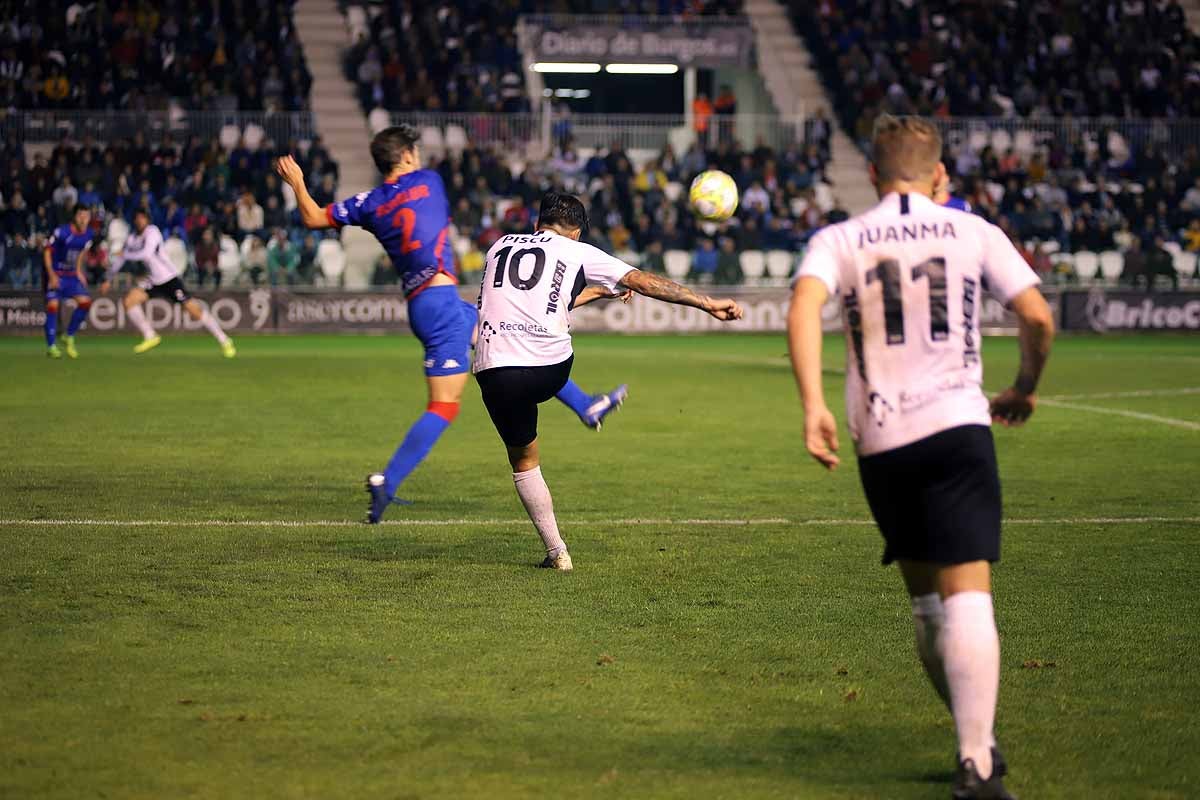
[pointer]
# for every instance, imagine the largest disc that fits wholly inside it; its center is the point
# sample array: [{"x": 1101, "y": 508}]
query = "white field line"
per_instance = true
[
  {"x": 417, "y": 523},
  {"x": 1121, "y": 412},
  {"x": 1133, "y": 393}
]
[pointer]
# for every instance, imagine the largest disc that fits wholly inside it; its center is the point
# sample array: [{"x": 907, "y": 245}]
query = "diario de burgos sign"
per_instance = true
[{"x": 701, "y": 45}]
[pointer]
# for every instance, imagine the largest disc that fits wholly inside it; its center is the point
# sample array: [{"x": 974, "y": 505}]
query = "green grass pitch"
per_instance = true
[{"x": 680, "y": 660}]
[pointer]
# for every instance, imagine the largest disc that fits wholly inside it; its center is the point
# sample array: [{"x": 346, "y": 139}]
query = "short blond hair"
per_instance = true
[{"x": 905, "y": 148}]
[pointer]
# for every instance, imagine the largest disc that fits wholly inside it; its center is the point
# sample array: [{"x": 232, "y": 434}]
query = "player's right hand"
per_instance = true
[
  {"x": 820, "y": 437},
  {"x": 104, "y": 287},
  {"x": 52, "y": 281},
  {"x": 724, "y": 309},
  {"x": 289, "y": 170}
]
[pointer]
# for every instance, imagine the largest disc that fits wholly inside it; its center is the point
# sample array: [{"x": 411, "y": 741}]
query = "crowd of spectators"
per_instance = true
[
  {"x": 194, "y": 190},
  {"x": 1074, "y": 192},
  {"x": 1071, "y": 188},
  {"x": 640, "y": 210},
  {"x": 1029, "y": 58},
  {"x": 135, "y": 55}
]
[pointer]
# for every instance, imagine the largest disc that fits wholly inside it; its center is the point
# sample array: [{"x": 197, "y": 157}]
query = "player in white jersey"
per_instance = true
[
  {"x": 523, "y": 352},
  {"x": 911, "y": 275},
  {"x": 145, "y": 244}
]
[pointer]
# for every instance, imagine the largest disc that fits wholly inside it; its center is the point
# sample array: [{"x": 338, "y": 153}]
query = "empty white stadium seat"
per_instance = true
[
  {"x": 118, "y": 232},
  {"x": 378, "y": 119},
  {"x": 253, "y": 136},
  {"x": 678, "y": 263},
  {"x": 1111, "y": 264},
  {"x": 1024, "y": 144},
  {"x": 779, "y": 263},
  {"x": 628, "y": 256},
  {"x": 1184, "y": 262},
  {"x": 432, "y": 141},
  {"x": 1086, "y": 264},
  {"x": 356, "y": 22},
  {"x": 456, "y": 139},
  {"x": 229, "y": 136},
  {"x": 754, "y": 264},
  {"x": 177, "y": 254},
  {"x": 229, "y": 261},
  {"x": 824, "y": 194},
  {"x": 289, "y": 198},
  {"x": 331, "y": 259}
]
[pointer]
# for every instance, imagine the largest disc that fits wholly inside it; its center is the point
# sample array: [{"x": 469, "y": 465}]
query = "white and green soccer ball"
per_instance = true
[{"x": 713, "y": 196}]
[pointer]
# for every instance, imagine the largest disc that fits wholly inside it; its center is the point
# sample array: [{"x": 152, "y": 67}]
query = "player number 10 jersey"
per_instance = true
[{"x": 529, "y": 285}]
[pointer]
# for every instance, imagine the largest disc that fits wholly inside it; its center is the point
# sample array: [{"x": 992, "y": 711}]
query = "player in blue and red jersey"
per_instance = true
[
  {"x": 409, "y": 214},
  {"x": 942, "y": 196},
  {"x": 63, "y": 260}
]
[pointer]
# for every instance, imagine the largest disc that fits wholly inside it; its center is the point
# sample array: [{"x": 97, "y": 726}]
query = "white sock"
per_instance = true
[
  {"x": 971, "y": 654},
  {"x": 535, "y": 496},
  {"x": 138, "y": 317},
  {"x": 211, "y": 324},
  {"x": 929, "y": 618}
]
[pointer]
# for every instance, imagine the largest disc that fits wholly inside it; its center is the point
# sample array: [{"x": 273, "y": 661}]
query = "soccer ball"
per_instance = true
[{"x": 713, "y": 196}]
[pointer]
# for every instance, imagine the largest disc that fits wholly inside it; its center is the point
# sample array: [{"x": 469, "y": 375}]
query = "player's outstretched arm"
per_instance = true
[
  {"x": 658, "y": 287},
  {"x": 311, "y": 214},
  {"x": 591, "y": 294},
  {"x": 804, "y": 346},
  {"x": 1036, "y": 334}
]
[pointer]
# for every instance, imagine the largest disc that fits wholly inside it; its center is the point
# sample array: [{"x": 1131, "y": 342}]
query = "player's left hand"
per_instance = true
[
  {"x": 1012, "y": 407},
  {"x": 625, "y": 297},
  {"x": 104, "y": 287},
  {"x": 289, "y": 170},
  {"x": 820, "y": 437}
]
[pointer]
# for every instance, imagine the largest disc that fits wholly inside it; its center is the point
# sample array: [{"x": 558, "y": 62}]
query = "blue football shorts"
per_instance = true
[{"x": 444, "y": 323}]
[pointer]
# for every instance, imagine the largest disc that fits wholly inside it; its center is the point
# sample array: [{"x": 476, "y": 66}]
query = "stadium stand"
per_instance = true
[
  {"x": 182, "y": 103},
  {"x": 189, "y": 188},
  {"x": 227, "y": 55},
  {"x": 637, "y": 199},
  {"x": 1057, "y": 163},
  {"x": 1086, "y": 58},
  {"x": 462, "y": 56}
]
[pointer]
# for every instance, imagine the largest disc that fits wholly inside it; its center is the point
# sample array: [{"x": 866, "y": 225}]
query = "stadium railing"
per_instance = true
[
  {"x": 33, "y": 127},
  {"x": 1025, "y": 135},
  {"x": 540, "y": 132}
]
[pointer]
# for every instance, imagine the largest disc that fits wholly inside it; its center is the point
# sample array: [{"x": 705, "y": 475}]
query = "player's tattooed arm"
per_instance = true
[
  {"x": 592, "y": 293},
  {"x": 660, "y": 288}
]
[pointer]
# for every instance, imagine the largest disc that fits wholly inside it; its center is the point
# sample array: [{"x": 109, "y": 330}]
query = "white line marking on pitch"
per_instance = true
[
  {"x": 1121, "y": 412},
  {"x": 411, "y": 523},
  {"x": 1134, "y": 393}
]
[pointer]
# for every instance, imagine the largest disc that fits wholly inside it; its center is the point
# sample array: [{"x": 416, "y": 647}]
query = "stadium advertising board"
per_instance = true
[
  {"x": 24, "y": 312},
  {"x": 339, "y": 311},
  {"x": 288, "y": 311},
  {"x": 1100, "y": 310},
  {"x": 673, "y": 43}
]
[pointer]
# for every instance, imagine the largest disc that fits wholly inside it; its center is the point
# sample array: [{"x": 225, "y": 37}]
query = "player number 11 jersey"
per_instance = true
[{"x": 911, "y": 276}]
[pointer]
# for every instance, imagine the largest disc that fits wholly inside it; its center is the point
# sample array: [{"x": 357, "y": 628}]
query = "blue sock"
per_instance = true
[
  {"x": 51, "y": 327},
  {"x": 575, "y": 398},
  {"x": 77, "y": 319},
  {"x": 417, "y": 443}
]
